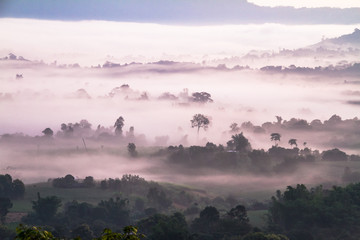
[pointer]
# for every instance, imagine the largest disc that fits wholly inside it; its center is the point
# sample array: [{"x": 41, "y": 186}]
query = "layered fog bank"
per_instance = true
[
  {"x": 161, "y": 102},
  {"x": 93, "y": 42},
  {"x": 104, "y": 99}
]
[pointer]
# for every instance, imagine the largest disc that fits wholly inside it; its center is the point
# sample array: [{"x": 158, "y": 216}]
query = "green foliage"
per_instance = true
[
  {"x": 6, "y": 233},
  {"x": 5, "y": 204},
  {"x": 128, "y": 184},
  {"x": 11, "y": 189},
  {"x": 209, "y": 223},
  {"x": 46, "y": 208},
  {"x": 81, "y": 233},
  {"x": 162, "y": 227},
  {"x": 89, "y": 182},
  {"x": 65, "y": 182},
  {"x": 129, "y": 233},
  {"x": 264, "y": 236},
  {"x": 32, "y": 233},
  {"x": 158, "y": 199},
  {"x": 317, "y": 213},
  {"x": 18, "y": 189},
  {"x": 208, "y": 219},
  {"x": 116, "y": 210}
]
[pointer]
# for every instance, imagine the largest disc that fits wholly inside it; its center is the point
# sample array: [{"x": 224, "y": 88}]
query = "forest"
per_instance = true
[
  {"x": 325, "y": 208},
  {"x": 179, "y": 120}
]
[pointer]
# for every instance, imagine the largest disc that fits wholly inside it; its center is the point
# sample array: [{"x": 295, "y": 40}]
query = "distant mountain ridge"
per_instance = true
[
  {"x": 174, "y": 12},
  {"x": 351, "y": 40}
]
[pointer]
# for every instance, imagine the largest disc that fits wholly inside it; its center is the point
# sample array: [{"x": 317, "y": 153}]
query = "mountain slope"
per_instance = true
[{"x": 343, "y": 42}]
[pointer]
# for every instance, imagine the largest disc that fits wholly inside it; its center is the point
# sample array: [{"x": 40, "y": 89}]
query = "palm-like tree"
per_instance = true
[
  {"x": 275, "y": 137},
  {"x": 293, "y": 142}
]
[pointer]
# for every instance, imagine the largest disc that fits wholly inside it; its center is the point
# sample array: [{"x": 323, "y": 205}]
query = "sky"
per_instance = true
[{"x": 308, "y": 3}]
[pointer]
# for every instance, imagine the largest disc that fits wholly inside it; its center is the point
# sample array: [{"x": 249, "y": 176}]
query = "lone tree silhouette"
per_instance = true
[
  {"x": 200, "y": 121},
  {"x": 48, "y": 132},
  {"x": 275, "y": 137},
  {"x": 119, "y": 125},
  {"x": 293, "y": 142}
]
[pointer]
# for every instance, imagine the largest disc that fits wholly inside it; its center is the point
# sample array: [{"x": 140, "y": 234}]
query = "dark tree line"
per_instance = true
[
  {"x": 317, "y": 213},
  {"x": 9, "y": 188}
]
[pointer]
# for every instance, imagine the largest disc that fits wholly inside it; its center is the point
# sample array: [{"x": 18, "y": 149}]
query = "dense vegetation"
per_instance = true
[
  {"x": 179, "y": 213},
  {"x": 297, "y": 213}
]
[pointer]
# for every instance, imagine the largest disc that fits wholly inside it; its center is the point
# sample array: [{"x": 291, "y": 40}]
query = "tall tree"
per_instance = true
[
  {"x": 200, "y": 121},
  {"x": 132, "y": 149},
  {"x": 46, "y": 208},
  {"x": 240, "y": 142},
  {"x": 275, "y": 137},
  {"x": 119, "y": 123},
  {"x": 293, "y": 142}
]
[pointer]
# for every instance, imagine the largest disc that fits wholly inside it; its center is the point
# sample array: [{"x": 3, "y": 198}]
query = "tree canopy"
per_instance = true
[{"x": 200, "y": 121}]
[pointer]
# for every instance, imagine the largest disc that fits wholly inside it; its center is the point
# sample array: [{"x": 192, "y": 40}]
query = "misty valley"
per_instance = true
[{"x": 263, "y": 145}]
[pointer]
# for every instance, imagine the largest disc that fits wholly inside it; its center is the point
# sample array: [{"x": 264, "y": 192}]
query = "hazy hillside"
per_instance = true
[{"x": 351, "y": 40}]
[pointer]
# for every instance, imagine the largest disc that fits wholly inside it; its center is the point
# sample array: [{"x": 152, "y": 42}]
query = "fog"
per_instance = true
[
  {"x": 47, "y": 97},
  {"x": 51, "y": 91},
  {"x": 94, "y": 42}
]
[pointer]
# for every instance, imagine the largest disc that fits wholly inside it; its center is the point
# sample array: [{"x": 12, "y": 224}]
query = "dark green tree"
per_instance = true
[
  {"x": 162, "y": 227},
  {"x": 116, "y": 210},
  {"x": 158, "y": 199},
  {"x": 208, "y": 221},
  {"x": 89, "y": 182},
  {"x": 5, "y": 205},
  {"x": 46, "y": 208},
  {"x": 129, "y": 233},
  {"x": 83, "y": 232},
  {"x": 265, "y": 236},
  {"x": 18, "y": 189},
  {"x": 6, "y": 185},
  {"x": 33, "y": 233}
]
